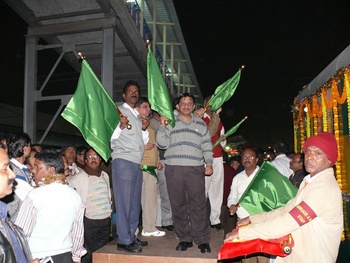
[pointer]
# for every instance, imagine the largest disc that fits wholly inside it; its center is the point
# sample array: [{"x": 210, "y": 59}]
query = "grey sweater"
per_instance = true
[
  {"x": 187, "y": 144},
  {"x": 129, "y": 145}
]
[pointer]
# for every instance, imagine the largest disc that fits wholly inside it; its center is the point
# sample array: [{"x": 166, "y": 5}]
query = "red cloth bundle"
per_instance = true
[{"x": 277, "y": 247}]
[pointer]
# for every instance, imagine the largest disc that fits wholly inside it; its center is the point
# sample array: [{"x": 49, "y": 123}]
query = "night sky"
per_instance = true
[{"x": 284, "y": 44}]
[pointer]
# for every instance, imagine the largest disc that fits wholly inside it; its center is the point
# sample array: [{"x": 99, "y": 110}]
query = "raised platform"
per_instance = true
[{"x": 161, "y": 249}]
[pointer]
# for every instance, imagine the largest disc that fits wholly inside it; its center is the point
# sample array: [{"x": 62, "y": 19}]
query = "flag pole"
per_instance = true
[{"x": 128, "y": 125}]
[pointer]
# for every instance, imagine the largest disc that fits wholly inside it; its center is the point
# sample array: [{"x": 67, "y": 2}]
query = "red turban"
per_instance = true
[{"x": 327, "y": 143}]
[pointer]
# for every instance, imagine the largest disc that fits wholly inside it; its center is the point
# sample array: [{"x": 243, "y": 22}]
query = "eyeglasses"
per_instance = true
[
  {"x": 93, "y": 157},
  {"x": 132, "y": 92},
  {"x": 250, "y": 157}
]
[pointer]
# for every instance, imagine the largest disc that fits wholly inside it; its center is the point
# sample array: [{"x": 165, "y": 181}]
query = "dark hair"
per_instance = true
[
  {"x": 51, "y": 159},
  {"x": 15, "y": 143},
  {"x": 81, "y": 148},
  {"x": 281, "y": 147},
  {"x": 255, "y": 150},
  {"x": 236, "y": 158},
  {"x": 141, "y": 100},
  {"x": 184, "y": 95},
  {"x": 65, "y": 147},
  {"x": 129, "y": 83}
]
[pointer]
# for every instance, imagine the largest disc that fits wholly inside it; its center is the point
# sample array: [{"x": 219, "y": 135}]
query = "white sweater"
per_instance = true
[{"x": 52, "y": 219}]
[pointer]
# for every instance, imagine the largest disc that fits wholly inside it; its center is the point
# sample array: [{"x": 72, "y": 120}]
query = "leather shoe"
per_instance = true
[
  {"x": 182, "y": 246},
  {"x": 204, "y": 248},
  {"x": 216, "y": 226},
  {"x": 140, "y": 243},
  {"x": 132, "y": 248},
  {"x": 168, "y": 227}
]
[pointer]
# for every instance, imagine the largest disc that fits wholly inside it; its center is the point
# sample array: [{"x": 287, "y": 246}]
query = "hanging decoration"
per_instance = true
[{"x": 321, "y": 111}]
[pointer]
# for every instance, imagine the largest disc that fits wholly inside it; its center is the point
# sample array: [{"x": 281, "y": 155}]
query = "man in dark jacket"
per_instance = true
[{"x": 13, "y": 244}]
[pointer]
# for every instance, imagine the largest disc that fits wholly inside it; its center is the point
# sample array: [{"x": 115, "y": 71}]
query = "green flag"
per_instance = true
[
  {"x": 92, "y": 111},
  {"x": 267, "y": 191},
  {"x": 224, "y": 92},
  {"x": 150, "y": 169},
  {"x": 230, "y": 131},
  {"x": 158, "y": 93}
]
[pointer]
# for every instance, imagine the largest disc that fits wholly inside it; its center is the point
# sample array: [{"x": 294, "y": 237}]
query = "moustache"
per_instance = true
[{"x": 11, "y": 181}]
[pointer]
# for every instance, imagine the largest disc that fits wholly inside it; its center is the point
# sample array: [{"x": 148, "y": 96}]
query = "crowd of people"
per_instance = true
[{"x": 63, "y": 200}]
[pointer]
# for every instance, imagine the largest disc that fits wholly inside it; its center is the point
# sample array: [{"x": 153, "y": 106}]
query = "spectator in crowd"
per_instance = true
[
  {"x": 38, "y": 147},
  {"x": 239, "y": 184},
  {"x": 3, "y": 139},
  {"x": 80, "y": 161},
  {"x": 29, "y": 161},
  {"x": 69, "y": 155},
  {"x": 14, "y": 246},
  {"x": 297, "y": 165},
  {"x": 214, "y": 184},
  {"x": 188, "y": 146},
  {"x": 165, "y": 208},
  {"x": 228, "y": 221},
  {"x": 18, "y": 144},
  {"x": 128, "y": 145},
  {"x": 281, "y": 162},
  {"x": 92, "y": 184},
  {"x": 314, "y": 217},
  {"x": 150, "y": 189},
  {"x": 51, "y": 216}
]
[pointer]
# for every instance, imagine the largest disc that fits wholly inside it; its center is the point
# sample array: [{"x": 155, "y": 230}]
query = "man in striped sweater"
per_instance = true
[{"x": 188, "y": 147}]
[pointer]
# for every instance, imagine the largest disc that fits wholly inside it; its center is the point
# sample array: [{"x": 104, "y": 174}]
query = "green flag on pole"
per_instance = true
[
  {"x": 230, "y": 131},
  {"x": 92, "y": 111},
  {"x": 224, "y": 92},
  {"x": 267, "y": 191},
  {"x": 158, "y": 93}
]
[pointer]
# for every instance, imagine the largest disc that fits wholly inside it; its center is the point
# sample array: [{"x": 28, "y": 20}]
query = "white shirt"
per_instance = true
[
  {"x": 282, "y": 163},
  {"x": 239, "y": 184}
]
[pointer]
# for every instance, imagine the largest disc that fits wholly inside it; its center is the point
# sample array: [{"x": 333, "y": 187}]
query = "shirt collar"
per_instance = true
[
  {"x": 310, "y": 179},
  {"x": 17, "y": 163},
  {"x": 133, "y": 110}
]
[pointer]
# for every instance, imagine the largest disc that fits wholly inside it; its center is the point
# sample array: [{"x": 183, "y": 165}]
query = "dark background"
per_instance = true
[{"x": 284, "y": 44}]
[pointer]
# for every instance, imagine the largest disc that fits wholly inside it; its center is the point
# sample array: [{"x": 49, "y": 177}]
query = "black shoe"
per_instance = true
[
  {"x": 133, "y": 248},
  {"x": 204, "y": 248},
  {"x": 169, "y": 227},
  {"x": 182, "y": 246},
  {"x": 217, "y": 226},
  {"x": 141, "y": 243}
]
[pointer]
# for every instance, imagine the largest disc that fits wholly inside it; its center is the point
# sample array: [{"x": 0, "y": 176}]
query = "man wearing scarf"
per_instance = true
[
  {"x": 92, "y": 184},
  {"x": 314, "y": 217}
]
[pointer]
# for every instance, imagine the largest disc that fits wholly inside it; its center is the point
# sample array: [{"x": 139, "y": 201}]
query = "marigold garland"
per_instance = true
[
  {"x": 327, "y": 102},
  {"x": 315, "y": 124},
  {"x": 347, "y": 87},
  {"x": 308, "y": 125},
  {"x": 324, "y": 114},
  {"x": 335, "y": 92}
]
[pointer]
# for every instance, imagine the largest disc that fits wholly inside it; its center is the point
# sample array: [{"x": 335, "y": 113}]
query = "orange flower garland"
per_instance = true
[
  {"x": 347, "y": 87},
  {"x": 324, "y": 114}
]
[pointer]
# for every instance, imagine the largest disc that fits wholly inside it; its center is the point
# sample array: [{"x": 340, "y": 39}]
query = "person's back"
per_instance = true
[
  {"x": 281, "y": 162},
  {"x": 56, "y": 207}
]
